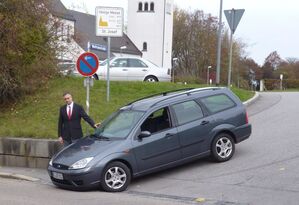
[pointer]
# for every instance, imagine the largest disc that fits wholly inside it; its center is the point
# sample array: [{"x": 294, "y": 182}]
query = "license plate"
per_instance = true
[{"x": 57, "y": 175}]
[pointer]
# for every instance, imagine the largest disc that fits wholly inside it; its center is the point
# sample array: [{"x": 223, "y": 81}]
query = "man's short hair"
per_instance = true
[{"x": 66, "y": 93}]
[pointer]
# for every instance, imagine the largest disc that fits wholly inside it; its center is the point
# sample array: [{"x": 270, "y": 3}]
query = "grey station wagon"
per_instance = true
[{"x": 152, "y": 134}]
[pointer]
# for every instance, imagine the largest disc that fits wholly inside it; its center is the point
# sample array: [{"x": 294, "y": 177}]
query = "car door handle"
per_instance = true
[
  {"x": 168, "y": 135},
  {"x": 125, "y": 69},
  {"x": 144, "y": 70},
  {"x": 205, "y": 122}
]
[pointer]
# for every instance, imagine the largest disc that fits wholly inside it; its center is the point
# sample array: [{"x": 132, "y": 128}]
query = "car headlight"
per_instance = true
[
  {"x": 81, "y": 163},
  {"x": 51, "y": 162}
]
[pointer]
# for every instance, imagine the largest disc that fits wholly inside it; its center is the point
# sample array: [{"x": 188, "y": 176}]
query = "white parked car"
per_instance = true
[{"x": 133, "y": 69}]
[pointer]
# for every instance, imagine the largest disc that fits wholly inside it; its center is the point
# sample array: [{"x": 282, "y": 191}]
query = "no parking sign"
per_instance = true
[{"x": 87, "y": 64}]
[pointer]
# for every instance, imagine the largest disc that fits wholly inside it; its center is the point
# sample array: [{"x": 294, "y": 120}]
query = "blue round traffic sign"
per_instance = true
[{"x": 87, "y": 64}]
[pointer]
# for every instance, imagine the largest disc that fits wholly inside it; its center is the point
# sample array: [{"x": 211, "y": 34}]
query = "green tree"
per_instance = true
[
  {"x": 195, "y": 43},
  {"x": 27, "y": 48}
]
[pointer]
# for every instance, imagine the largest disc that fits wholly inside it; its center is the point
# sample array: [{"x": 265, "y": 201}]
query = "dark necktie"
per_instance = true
[{"x": 69, "y": 114}]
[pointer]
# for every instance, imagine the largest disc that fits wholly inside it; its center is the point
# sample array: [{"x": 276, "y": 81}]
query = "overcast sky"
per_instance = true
[{"x": 266, "y": 26}]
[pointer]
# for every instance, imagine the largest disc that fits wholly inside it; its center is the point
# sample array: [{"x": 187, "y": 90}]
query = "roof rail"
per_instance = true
[
  {"x": 187, "y": 93},
  {"x": 158, "y": 94}
]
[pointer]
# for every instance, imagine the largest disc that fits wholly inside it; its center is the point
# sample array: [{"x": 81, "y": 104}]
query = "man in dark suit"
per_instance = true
[{"x": 69, "y": 123}]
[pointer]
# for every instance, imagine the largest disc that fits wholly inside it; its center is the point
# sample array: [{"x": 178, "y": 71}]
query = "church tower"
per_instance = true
[{"x": 150, "y": 26}]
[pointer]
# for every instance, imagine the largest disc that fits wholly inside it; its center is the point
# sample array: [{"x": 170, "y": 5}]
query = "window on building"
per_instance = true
[
  {"x": 146, "y": 6},
  {"x": 140, "y": 6},
  {"x": 68, "y": 33},
  {"x": 152, "y": 7},
  {"x": 144, "y": 47}
]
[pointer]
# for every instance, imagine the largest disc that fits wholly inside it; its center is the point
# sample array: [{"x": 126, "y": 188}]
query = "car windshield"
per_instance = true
[
  {"x": 105, "y": 62},
  {"x": 119, "y": 124}
]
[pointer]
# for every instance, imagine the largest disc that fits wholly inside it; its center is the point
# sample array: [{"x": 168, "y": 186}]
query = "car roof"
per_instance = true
[{"x": 162, "y": 99}]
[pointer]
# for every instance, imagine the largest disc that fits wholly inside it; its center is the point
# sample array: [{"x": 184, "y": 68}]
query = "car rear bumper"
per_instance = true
[
  {"x": 75, "y": 179},
  {"x": 242, "y": 133},
  {"x": 164, "y": 79}
]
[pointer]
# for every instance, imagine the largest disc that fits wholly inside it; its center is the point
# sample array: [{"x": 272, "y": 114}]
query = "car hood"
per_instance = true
[{"x": 83, "y": 148}]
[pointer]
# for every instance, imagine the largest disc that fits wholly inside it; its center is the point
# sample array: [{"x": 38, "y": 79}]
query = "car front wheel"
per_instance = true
[
  {"x": 223, "y": 147},
  {"x": 116, "y": 177}
]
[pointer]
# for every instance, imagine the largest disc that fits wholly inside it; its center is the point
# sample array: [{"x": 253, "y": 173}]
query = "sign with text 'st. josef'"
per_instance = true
[{"x": 109, "y": 21}]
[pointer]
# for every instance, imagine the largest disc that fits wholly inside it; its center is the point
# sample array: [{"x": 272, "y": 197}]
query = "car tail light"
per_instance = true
[{"x": 247, "y": 121}]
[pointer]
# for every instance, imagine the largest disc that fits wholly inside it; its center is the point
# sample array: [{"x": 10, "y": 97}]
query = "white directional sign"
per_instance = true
[
  {"x": 109, "y": 21},
  {"x": 233, "y": 18}
]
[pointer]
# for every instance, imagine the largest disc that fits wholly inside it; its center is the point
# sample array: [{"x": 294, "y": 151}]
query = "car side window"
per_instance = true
[
  {"x": 136, "y": 63},
  {"x": 157, "y": 121},
  {"x": 119, "y": 63},
  {"x": 217, "y": 103},
  {"x": 187, "y": 112}
]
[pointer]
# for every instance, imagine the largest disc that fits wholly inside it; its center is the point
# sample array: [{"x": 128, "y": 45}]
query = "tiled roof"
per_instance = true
[{"x": 57, "y": 8}]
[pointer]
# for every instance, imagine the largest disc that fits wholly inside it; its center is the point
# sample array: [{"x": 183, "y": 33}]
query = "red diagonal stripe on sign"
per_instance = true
[{"x": 88, "y": 65}]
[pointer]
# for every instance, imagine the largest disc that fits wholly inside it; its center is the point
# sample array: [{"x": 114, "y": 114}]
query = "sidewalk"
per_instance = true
[{"x": 28, "y": 174}]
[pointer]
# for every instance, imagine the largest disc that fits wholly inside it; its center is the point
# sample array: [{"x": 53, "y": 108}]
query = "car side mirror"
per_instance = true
[{"x": 144, "y": 134}]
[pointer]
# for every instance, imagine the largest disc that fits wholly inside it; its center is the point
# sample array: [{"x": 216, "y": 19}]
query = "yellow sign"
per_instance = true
[
  {"x": 109, "y": 21},
  {"x": 103, "y": 23}
]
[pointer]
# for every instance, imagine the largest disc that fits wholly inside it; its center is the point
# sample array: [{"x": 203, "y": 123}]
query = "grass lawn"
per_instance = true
[{"x": 36, "y": 116}]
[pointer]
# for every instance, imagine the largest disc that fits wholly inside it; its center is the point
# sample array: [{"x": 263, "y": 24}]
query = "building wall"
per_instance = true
[
  {"x": 71, "y": 50},
  {"x": 68, "y": 49},
  {"x": 154, "y": 28}
]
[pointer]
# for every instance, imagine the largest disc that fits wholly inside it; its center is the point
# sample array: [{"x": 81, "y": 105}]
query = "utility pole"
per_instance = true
[{"x": 219, "y": 45}]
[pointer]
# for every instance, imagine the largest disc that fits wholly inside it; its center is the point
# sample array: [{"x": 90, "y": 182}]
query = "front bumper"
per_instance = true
[{"x": 75, "y": 179}]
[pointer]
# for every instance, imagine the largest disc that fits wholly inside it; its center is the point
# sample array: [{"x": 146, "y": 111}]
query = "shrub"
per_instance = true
[{"x": 26, "y": 48}]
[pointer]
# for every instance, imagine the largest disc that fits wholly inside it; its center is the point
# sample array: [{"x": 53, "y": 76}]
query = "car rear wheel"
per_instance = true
[
  {"x": 151, "y": 79},
  {"x": 116, "y": 177},
  {"x": 223, "y": 147}
]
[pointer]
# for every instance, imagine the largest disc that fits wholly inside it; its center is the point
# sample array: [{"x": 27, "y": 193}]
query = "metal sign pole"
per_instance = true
[
  {"x": 87, "y": 90},
  {"x": 87, "y": 98},
  {"x": 108, "y": 70},
  {"x": 219, "y": 46},
  {"x": 231, "y": 50}
]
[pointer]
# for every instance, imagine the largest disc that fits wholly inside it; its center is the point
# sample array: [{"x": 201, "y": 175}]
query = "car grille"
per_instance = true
[
  {"x": 78, "y": 182},
  {"x": 66, "y": 182},
  {"x": 61, "y": 181},
  {"x": 60, "y": 166}
]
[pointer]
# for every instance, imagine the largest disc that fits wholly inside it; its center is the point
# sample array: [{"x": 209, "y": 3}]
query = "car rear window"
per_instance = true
[
  {"x": 217, "y": 103},
  {"x": 187, "y": 111}
]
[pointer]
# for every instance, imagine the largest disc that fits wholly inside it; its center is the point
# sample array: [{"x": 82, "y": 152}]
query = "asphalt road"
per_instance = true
[{"x": 264, "y": 170}]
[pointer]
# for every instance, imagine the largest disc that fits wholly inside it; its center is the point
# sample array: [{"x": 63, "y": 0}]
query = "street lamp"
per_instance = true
[{"x": 208, "y": 74}]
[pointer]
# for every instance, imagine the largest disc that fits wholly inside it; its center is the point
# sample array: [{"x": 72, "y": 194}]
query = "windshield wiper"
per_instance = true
[{"x": 101, "y": 137}]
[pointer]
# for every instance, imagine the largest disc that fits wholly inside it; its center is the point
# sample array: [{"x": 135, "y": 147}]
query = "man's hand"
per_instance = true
[
  {"x": 97, "y": 124},
  {"x": 60, "y": 140}
]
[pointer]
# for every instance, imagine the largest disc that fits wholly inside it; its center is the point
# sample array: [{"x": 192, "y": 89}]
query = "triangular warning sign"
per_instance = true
[{"x": 233, "y": 18}]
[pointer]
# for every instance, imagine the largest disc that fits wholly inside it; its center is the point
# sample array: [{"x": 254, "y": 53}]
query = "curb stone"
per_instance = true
[
  {"x": 18, "y": 176},
  {"x": 252, "y": 100}
]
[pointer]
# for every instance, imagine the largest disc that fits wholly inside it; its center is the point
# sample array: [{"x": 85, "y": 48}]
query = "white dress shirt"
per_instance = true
[{"x": 69, "y": 107}]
